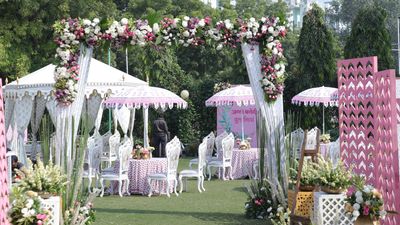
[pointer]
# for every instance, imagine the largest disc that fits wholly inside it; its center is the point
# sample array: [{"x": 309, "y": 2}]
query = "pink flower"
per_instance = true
[
  {"x": 39, "y": 222},
  {"x": 41, "y": 216},
  {"x": 366, "y": 210}
]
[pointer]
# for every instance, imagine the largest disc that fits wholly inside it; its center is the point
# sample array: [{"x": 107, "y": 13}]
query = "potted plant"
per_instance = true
[
  {"x": 46, "y": 180},
  {"x": 333, "y": 179},
  {"x": 26, "y": 208},
  {"x": 308, "y": 176},
  {"x": 365, "y": 206}
]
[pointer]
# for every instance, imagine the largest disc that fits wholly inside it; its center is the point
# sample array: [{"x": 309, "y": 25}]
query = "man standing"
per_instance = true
[{"x": 160, "y": 136}]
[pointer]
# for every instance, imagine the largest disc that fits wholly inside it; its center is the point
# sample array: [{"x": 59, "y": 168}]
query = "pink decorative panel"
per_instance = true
[
  {"x": 368, "y": 126},
  {"x": 356, "y": 113},
  {"x": 4, "y": 203}
]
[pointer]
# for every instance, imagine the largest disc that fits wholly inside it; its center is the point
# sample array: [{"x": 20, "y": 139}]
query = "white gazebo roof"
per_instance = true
[{"x": 102, "y": 78}]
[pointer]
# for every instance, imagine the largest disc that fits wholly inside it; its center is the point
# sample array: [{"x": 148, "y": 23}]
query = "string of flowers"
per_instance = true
[{"x": 184, "y": 31}]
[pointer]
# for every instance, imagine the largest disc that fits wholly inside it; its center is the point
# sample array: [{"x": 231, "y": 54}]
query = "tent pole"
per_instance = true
[
  {"x": 109, "y": 110},
  {"x": 242, "y": 125},
  {"x": 323, "y": 119}
]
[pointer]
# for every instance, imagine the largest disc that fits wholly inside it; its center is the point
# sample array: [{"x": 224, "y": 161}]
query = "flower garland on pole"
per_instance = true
[{"x": 185, "y": 31}]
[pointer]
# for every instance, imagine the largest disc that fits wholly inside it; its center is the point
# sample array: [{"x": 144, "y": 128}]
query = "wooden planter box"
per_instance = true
[{"x": 304, "y": 203}]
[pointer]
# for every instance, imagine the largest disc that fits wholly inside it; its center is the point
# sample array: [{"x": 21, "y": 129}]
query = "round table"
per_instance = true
[
  {"x": 242, "y": 162},
  {"x": 139, "y": 170}
]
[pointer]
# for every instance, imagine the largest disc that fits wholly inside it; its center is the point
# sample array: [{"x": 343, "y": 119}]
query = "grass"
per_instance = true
[{"x": 221, "y": 203}]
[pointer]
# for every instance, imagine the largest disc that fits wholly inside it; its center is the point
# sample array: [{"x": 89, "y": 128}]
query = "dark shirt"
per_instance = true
[{"x": 160, "y": 126}]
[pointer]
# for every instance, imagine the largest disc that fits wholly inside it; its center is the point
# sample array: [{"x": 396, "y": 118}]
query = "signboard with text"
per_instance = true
[{"x": 229, "y": 118}]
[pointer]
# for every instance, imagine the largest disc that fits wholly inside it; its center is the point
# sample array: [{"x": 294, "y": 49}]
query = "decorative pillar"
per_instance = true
[{"x": 4, "y": 203}]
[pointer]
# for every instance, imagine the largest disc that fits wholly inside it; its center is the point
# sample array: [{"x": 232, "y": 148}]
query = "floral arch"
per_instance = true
[{"x": 260, "y": 41}]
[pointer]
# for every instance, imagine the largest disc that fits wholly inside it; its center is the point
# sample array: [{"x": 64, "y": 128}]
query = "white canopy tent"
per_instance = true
[{"x": 27, "y": 98}]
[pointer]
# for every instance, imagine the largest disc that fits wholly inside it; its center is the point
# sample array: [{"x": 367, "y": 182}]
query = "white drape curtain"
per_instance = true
[
  {"x": 51, "y": 106},
  {"x": 69, "y": 115},
  {"x": 272, "y": 114},
  {"x": 39, "y": 105},
  {"x": 123, "y": 117},
  {"x": 22, "y": 116},
  {"x": 91, "y": 109},
  {"x": 9, "y": 110},
  {"x": 132, "y": 123},
  {"x": 146, "y": 127},
  {"x": 99, "y": 116}
]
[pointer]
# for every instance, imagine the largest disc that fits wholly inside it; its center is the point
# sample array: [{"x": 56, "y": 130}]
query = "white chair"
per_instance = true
[
  {"x": 173, "y": 151},
  {"x": 334, "y": 152},
  {"x": 226, "y": 161},
  {"x": 210, "y": 138},
  {"x": 218, "y": 144},
  {"x": 199, "y": 173},
  {"x": 124, "y": 153},
  {"x": 92, "y": 156},
  {"x": 296, "y": 142},
  {"x": 110, "y": 154}
]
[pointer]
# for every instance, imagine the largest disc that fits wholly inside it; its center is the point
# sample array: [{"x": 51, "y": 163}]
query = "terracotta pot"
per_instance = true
[
  {"x": 365, "y": 220},
  {"x": 44, "y": 195},
  {"x": 330, "y": 190},
  {"x": 307, "y": 187}
]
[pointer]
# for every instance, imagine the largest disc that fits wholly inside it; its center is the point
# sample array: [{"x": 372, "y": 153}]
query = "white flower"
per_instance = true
[
  {"x": 274, "y": 51},
  {"x": 32, "y": 212},
  {"x": 219, "y": 47},
  {"x": 263, "y": 19},
  {"x": 25, "y": 212},
  {"x": 96, "y": 20},
  {"x": 358, "y": 194},
  {"x": 280, "y": 209},
  {"x": 87, "y": 30},
  {"x": 356, "y": 213},
  {"x": 368, "y": 189},
  {"x": 356, "y": 206},
  {"x": 252, "y": 20},
  {"x": 275, "y": 33},
  {"x": 271, "y": 30},
  {"x": 156, "y": 28},
  {"x": 228, "y": 25},
  {"x": 86, "y": 22},
  {"x": 29, "y": 203},
  {"x": 249, "y": 34},
  {"x": 270, "y": 45},
  {"x": 269, "y": 209},
  {"x": 186, "y": 18},
  {"x": 264, "y": 28},
  {"x": 277, "y": 66},
  {"x": 359, "y": 200},
  {"x": 202, "y": 23},
  {"x": 124, "y": 21},
  {"x": 184, "y": 23},
  {"x": 186, "y": 33},
  {"x": 266, "y": 82}
]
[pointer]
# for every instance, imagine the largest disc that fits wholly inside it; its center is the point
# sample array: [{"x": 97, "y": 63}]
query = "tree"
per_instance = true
[
  {"x": 316, "y": 51},
  {"x": 370, "y": 37},
  {"x": 316, "y": 61}
]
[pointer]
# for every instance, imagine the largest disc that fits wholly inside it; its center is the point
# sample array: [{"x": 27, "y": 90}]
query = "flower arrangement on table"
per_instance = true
[
  {"x": 325, "y": 138},
  {"x": 365, "y": 202},
  {"x": 140, "y": 152},
  {"x": 45, "y": 180},
  {"x": 184, "y": 31},
  {"x": 333, "y": 179},
  {"x": 26, "y": 208},
  {"x": 243, "y": 144}
]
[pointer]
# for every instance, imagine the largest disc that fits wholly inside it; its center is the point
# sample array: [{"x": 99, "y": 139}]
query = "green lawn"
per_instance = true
[{"x": 221, "y": 203}]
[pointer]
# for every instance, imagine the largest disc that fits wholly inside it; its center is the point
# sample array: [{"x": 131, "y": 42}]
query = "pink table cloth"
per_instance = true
[
  {"x": 138, "y": 171},
  {"x": 242, "y": 162}
]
